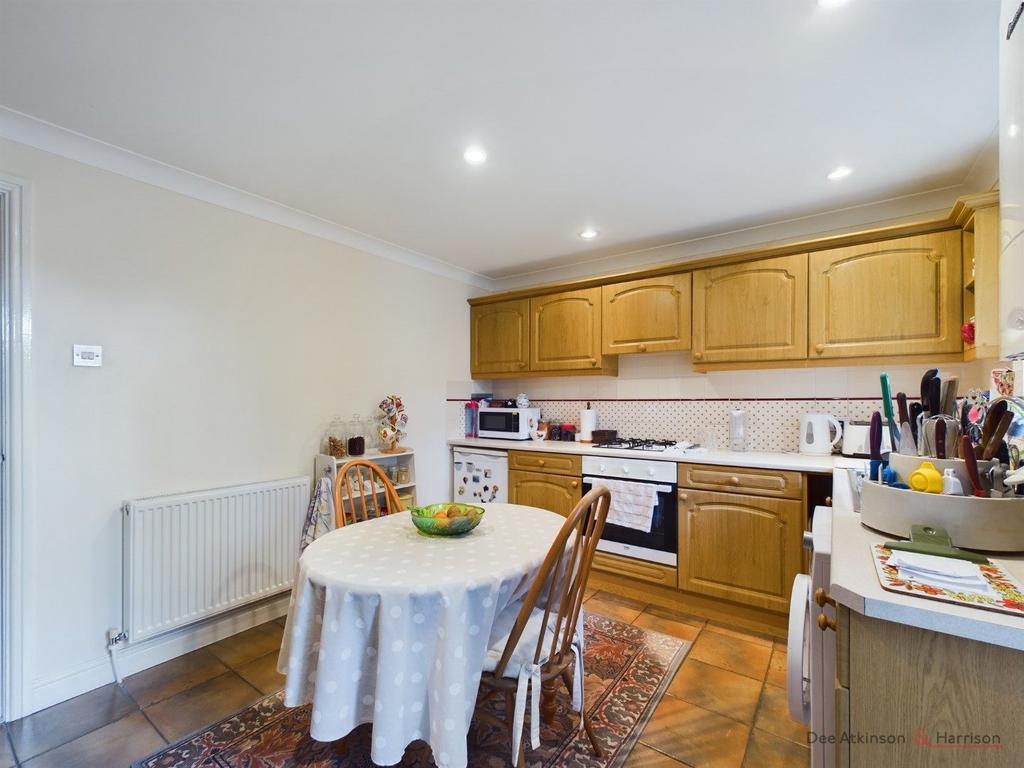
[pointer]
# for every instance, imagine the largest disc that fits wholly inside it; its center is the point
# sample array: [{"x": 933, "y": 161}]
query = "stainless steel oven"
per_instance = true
[{"x": 661, "y": 543}]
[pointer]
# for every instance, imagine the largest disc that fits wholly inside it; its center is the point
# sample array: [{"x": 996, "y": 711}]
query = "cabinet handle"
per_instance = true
[
  {"x": 819, "y": 348},
  {"x": 575, "y": 484},
  {"x": 698, "y": 355},
  {"x": 734, "y": 480},
  {"x": 541, "y": 462},
  {"x": 828, "y": 501},
  {"x": 825, "y": 622},
  {"x": 593, "y": 363},
  {"x": 643, "y": 347},
  {"x": 683, "y": 496},
  {"x": 823, "y": 598},
  {"x": 522, "y": 365}
]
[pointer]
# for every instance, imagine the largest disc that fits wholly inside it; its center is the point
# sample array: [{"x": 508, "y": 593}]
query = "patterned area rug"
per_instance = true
[{"x": 627, "y": 672}]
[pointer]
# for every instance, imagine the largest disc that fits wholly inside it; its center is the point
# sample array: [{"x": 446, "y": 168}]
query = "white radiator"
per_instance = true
[{"x": 191, "y": 556}]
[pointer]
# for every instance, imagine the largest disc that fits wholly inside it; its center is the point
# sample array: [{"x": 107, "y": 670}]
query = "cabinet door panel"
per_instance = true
[
  {"x": 896, "y": 297},
  {"x": 556, "y": 493},
  {"x": 566, "y": 330},
  {"x": 752, "y": 311},
  {"x": 650, "y": 315},
  {"x": 738, "y": 547},
  {"x": 499, "y": 337}
]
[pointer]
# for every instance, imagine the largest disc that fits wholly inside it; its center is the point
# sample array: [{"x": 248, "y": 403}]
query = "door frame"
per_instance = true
[{"x": 15, "y": 358}]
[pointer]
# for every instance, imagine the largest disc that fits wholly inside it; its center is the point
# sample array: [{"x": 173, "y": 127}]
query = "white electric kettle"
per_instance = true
[{"x": 815, "y": 435}]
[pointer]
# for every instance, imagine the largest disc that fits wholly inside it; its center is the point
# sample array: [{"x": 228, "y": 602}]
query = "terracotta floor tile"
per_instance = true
[
  {"x": 262, "y": 673},
  {"x": 732, "y": 653},
  {"x": 611, "y": 609},
  {"x": 727, "y": 693},
  {"x": 6, "y": 753},
  {"x": 611, "y": 597},
  {"x": 172, "y": 677},
  {"x": 741, "y": 634},
  {"x": 777, "y": 669},
  {"x": 680, "y": 616},
  {"x": 767, "y": 751},
  {"x": 657, "y": 623},
  {"x": 205, "y": 703},
  {"x": 245, "y": 646},
  {"x": 696, "y": 736},
  {"x": 118, "y": 744},
  {"x": 773, "y": 716},
  {"x": 68, "y": 720},
  {"x": 643, "y": 756}
]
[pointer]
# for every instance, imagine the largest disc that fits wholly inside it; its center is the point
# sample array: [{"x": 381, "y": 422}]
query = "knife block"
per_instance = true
[{"x": 991, "y": 525}]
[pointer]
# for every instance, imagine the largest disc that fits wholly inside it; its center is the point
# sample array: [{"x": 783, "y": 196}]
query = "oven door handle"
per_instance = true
[{"x": 598, "y": 480}]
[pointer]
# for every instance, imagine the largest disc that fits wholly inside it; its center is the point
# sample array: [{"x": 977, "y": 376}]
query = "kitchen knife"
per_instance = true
[
  {"x": 940, "y": 439},
  {"x": 934, "y": 396},
  {"x": 894, "y": 436},
  {"x": 916, "y": 409},
  {"x": 949, "y": 388},
  {"x": 967, "y": 449},
  {"x": 901, "y": 408},
  {"x": 875, "y": 447},
  {"x": 928, "y": 376},
  {"x": 992, "y": 417},
  {"x": 996, "y": 438},
  {"x": 908, "y": 446}
]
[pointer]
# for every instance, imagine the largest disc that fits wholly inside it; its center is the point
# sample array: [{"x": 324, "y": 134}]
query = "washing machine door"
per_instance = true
[{"x": 798, "y": 662}]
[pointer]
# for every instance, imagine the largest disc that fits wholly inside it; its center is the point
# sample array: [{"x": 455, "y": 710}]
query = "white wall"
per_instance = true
[{"x": 229, "y": 343}]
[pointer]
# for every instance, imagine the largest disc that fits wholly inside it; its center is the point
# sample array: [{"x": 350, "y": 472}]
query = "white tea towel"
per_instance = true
[
  {"x": 319, "y": 514},
  {"x": 632, "y": 504}
]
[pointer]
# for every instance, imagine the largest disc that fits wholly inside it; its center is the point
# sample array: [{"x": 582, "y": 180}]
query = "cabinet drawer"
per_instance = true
[
  {"x": 762, "y": 482},
  {"x": 637, "y": 569},
  {"x": 537, "y": 461},
  {"x": 555, "y": 493}
]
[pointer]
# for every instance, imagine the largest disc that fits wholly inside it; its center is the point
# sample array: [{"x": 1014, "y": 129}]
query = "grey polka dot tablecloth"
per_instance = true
[{"x": 389, "y": 626}]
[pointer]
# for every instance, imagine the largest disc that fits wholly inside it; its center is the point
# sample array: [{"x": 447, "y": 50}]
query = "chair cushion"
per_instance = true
[{"x": 525, "y": 648}]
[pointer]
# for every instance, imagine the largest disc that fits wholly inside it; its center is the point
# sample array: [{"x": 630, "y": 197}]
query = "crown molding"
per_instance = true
[{"x": 25, "y": 129}]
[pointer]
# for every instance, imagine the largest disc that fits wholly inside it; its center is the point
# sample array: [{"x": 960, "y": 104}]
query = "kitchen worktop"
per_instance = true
[
  {"x": 854, "y": 582},
  {"x": 794, "y": 462}
]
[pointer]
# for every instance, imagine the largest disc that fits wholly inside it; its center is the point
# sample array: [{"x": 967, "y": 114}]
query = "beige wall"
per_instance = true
[{"x": 229, "y": 343}]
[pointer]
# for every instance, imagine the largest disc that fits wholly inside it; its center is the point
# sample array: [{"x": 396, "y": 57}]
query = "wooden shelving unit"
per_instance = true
[{"x": 327, "y": 466}]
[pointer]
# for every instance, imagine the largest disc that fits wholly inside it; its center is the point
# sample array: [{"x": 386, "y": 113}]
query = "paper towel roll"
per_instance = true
[{"x": 588, "y": 423}]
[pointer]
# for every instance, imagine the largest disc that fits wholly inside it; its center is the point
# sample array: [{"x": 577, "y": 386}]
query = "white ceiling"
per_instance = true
[{"x": 650, "y": 121}]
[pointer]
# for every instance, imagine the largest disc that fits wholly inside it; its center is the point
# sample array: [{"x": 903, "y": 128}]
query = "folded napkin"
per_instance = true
[
  {"x": 944, "y": 572},
  {"x": 632, "y": 504}
]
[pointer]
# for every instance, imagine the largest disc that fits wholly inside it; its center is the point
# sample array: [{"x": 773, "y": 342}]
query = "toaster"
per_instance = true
[{"x": 856, "y": 442}]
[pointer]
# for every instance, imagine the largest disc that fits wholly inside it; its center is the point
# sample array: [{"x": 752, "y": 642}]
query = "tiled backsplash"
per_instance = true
[{"x": 662, "y": 397}]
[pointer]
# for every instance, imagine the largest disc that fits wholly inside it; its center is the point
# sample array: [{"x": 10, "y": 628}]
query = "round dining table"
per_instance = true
[{"x": 390, "y": 626}]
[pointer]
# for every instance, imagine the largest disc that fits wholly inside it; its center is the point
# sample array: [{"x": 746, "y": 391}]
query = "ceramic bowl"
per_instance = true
[{"x": 446, "y": 519}]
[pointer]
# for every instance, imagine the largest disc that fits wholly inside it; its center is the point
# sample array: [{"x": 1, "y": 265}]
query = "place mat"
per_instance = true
[
  {"x": 1009, "y": 596},
  {"x": 627, "y": 669}
]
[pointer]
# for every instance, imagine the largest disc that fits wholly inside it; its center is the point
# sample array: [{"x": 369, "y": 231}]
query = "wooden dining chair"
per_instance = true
[
  {"x": 547, "y": 634},
  {"x": 356, "y": 495}
]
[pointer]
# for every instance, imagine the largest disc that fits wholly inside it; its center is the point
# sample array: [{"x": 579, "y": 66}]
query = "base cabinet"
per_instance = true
[
  {"x": 739, "y": 547},
  {"x": 918, "y": 698},
  {"x": 558, "y": 493}
]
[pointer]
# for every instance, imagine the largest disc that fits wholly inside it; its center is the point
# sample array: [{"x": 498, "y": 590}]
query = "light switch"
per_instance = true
[{"x": 90, "y": 355}]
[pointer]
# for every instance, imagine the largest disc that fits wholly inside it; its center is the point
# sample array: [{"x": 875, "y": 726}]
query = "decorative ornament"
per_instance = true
[{"x": 391, "y": 427}]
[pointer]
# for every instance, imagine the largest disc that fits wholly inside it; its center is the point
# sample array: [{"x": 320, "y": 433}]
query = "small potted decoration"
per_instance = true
[{"x": 392, "y": 424}]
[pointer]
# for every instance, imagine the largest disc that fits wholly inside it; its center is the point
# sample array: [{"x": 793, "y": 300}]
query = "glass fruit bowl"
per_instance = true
[{"x": 446, "y": 519}]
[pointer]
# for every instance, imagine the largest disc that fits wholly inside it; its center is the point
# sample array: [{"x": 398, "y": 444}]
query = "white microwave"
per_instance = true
[{"x": 507, "y": 423}]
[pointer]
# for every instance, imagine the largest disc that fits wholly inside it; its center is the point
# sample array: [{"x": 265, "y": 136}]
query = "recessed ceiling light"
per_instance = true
[
  {"x": 1013, "y": 130},
  {"x": 840, "y": 173},
  {"x": 831, "y": 3},
  {"x": 588, "y": 234},
  {"x": 475, "y": 155}
]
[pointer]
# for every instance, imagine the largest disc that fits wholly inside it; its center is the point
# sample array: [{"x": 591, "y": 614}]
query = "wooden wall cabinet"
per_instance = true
[
  {"x": 750, "y": 312},
  {"x": 565, "y": 331},
  {"x": 981, "y": 248},
  {"x": 651, "y": 315},
  {"x": 894, "y": 297},
  {"x": 499, "y": 337},
  {"x": 739, "y": 547},
  {"x": 557, "y": 493}
]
